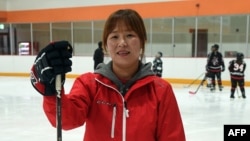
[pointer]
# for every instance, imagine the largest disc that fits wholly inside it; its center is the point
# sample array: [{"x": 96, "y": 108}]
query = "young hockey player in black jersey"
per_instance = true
[
  {"x": 236, "y": 69},
  {"x": 157, "y": 64},
  {"x": 215, "y": 65}
]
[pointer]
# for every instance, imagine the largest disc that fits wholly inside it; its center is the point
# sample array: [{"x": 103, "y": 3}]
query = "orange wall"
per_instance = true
[
  {"x": 3, "y": 16},
  {"x": 147, "y": 10}
]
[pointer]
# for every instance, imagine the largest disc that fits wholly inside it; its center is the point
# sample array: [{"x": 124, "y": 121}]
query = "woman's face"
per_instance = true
[{"x": 123, "y": 46}]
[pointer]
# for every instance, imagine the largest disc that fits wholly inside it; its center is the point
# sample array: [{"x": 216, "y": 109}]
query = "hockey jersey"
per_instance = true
[
  {"x": 215, "y": 62},
  {"x": 237, "y": 69}
]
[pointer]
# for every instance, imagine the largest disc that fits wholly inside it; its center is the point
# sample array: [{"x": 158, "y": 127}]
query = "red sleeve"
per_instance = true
[
  {"x": 170, "y": 126},
  {"x": 74, "y": 106}
]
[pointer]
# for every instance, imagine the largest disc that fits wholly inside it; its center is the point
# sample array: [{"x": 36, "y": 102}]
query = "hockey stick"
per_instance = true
[
  {"x": 193, "y": 81},
  {"x": 58, "y": 107},
  {"x": 202, "y": 81}
]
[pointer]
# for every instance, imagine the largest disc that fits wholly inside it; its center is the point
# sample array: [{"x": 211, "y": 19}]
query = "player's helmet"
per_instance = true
[
  {"x": 239, "y": 56},
  {"x": 216, "y": 46},
  {"x": 160, "y": 53}
]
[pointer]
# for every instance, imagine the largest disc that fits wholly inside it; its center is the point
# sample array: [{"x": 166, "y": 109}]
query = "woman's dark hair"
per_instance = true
[{"x": 131, "y": 19}]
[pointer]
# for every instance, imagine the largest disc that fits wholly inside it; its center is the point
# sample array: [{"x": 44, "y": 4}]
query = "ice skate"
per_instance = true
[
  {"x": 220, "y": 87},
  {"x": 212, "y": 89},
  {"x": 243, "y": 96},
  {"x": 232, "y": 97}
]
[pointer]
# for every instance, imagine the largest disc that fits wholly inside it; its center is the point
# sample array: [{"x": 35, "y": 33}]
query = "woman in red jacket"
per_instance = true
[{"x": 122, "y": 100}]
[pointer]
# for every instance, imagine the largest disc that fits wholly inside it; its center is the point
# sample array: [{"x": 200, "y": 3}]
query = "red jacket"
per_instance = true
[
  {"x": 142, "y": 109},
  {"x": 148, "y": 111}
]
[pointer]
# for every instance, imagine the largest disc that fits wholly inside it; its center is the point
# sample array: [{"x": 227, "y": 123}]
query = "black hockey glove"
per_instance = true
[
  {"x": 52, "y": 60},
  {"x": 223, "y": 69}
]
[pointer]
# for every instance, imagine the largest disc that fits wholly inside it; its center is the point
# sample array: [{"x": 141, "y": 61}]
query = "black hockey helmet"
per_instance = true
[
  {"x": 239, "y": 56},
  {"x": 160, "y": 53},
  {"x": 216, "y": 46}
]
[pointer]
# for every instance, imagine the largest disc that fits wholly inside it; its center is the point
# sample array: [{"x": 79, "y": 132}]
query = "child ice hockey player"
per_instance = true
[
  {"x": 236, "y": 69},
  {"x": 157, "y": 64},
  {"x": 215, "y": 65}
]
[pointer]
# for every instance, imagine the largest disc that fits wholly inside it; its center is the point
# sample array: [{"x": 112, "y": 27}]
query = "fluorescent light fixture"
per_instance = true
[{"x": 1, "y": 26}]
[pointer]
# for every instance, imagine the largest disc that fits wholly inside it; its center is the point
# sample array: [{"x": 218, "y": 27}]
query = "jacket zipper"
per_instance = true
[
  {"x": 125, "y": 113},
  {"x": 113, "y": 121},
  {"x": 126, "y": 109}
]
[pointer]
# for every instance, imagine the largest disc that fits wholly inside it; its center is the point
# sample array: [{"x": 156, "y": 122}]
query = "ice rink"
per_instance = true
[{"x": 203, "y": 114}]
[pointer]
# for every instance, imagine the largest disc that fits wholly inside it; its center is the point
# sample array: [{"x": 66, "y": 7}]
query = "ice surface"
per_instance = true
[{"x": 204, "y": 114}]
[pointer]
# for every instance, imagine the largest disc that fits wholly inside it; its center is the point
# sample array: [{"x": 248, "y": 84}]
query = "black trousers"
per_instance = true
[
  {"x": 237, "y": 82},
  {"x": 214, "y": 76}
]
